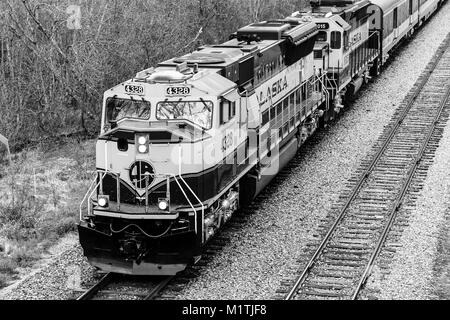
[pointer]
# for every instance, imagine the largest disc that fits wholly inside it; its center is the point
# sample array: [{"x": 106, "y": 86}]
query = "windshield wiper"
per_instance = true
[{"x": 204, "y": 103}]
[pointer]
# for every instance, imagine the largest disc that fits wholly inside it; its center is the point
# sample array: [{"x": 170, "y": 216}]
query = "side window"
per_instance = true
[
  {"x": 232, "y": 112},
  {"x": 225, "y": 109},
  {"x": 335, "y": 40},
  {"x": 322, "y": 36}
]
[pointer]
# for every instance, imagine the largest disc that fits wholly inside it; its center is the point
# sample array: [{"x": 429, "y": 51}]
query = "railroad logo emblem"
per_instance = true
[{"x": 138, "y": 173}]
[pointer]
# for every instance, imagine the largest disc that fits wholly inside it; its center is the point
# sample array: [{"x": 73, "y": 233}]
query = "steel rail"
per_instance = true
[
  {"x": 159, "y": 288},
  {"x": 89, "y": 294},
  {"x": 368, "y": 171},
  {"x": 108, "y": 279},
  {"x": 396, "y": 208}
]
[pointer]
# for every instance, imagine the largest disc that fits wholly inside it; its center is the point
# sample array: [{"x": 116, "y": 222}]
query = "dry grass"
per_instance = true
[{"x": 39, "y": 198}]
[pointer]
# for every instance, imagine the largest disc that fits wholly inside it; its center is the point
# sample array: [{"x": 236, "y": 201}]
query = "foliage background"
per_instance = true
[{"x": 52, "y": 78}]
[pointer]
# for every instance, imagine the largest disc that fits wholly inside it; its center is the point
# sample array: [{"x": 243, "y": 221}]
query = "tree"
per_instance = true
[{"x": 52, "y": 77}]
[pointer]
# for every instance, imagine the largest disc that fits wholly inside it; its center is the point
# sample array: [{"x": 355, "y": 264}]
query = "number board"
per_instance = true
[
  {"x": 178, "y": 91},
  {"x": 134, "y": 90},
  {"x": 323, "y": 26}
]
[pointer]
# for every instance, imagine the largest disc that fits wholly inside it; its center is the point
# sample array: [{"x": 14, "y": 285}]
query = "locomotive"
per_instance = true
[{"x": 187, "y": 143}]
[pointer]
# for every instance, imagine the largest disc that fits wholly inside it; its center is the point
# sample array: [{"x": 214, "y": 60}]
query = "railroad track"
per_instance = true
[
  {"x": 117, "y": 287},
  {"x": 362, "y": 219}
]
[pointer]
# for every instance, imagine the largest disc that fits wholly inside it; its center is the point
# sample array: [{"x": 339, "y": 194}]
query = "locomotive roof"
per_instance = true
[
  {"x": 335, "y": 17},
  {"x": 205, "y": 82},
  {"x": 324, "y": 7},
  {"x": 385, "y": 5},
  {"x": 247, "y": 41},
  {"x": 208, "y": 64},
  {"x": 221, "y": 55}
]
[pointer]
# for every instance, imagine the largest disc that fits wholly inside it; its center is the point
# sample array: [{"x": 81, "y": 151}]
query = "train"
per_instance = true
[{"x": 185, "y": 144}]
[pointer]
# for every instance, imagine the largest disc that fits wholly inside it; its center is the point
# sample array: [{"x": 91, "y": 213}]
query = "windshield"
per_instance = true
[
  {"x": 118, "y": 109},
  {"x": 198, "y": 112}
]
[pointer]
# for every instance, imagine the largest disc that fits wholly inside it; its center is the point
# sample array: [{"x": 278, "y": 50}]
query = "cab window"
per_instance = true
[
  {"x": 227, "y": 111},
  {"x": 335, "y": 40},
  {"x": 197, "y": 112},
  {"x": 118, "y": 109},
  {"x": 322, "y": 36},
  {"x": 224, "y": 112}
]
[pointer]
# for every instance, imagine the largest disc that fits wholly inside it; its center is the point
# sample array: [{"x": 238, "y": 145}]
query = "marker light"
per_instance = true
[
  {"x": 163, "y": 205},
  {"x": 142, "y": 149},
  {"x": 103, "y": 202}
]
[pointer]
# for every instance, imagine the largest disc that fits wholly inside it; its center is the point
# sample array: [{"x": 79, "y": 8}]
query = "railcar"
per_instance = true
[
  {"x": 427, "y": 8},
  {"x": 185, "y": 144},
  {"x": 361, "y": 34},
  {"x": 353, "y": 45},
  {"x": 395, "y": 21}
]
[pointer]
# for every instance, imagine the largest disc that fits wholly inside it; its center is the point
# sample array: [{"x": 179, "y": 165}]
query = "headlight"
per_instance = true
[
  {"x": 142, "y": 143},
  {"x": 142, "y": 149},
  {"x": 163, "y": 204},
  {"x": 103, "y": 201},
  {"x": 142, "y": 140}
]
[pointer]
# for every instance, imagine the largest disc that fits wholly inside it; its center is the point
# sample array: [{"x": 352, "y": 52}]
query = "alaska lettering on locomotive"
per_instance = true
[{"x": 272, "y": 91}]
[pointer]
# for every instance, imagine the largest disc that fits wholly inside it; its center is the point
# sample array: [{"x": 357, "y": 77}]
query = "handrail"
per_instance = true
[
  {"x": 368, "y": 55},
  {"x": 324, "y": 91},
  {"x": 201, "y": 203},
  {"x": 88, "y": 195},
  {"x": 103, "y": 174},
  {"x": 190, "y": 203}
]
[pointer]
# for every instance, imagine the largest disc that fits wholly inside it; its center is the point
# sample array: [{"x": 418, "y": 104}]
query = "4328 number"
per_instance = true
[
  {"x": 178, "y": 91},
  {"x": 133, "y": 89}
]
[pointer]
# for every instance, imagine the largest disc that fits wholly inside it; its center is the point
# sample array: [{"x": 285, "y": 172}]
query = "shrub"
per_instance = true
[
  {"x": 65, "y": 226},
  {"x": 52, "y": 77},
  {"x": 7, "y": 266},
  {"x": 4, "y": 280},
  {"x": 26, "y": 256}
]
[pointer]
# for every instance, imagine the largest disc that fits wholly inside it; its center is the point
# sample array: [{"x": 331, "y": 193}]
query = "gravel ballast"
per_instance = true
[
  {"x": 59, "y": 277},
  {"x": 259, "y": 256},
  {"x": 411, "y": 272}
]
